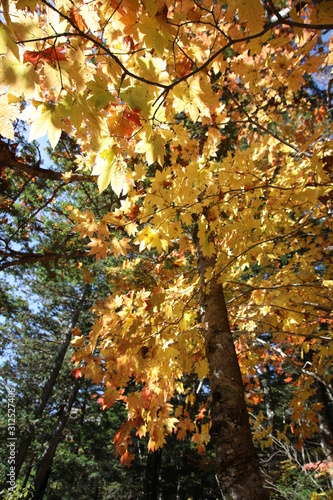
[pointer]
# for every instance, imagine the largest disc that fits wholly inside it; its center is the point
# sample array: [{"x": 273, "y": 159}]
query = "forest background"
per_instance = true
[{"x": 173, "y": 250}]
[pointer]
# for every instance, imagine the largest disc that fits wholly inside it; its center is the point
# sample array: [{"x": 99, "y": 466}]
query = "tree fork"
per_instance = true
[{"x": 237, "y": 471}]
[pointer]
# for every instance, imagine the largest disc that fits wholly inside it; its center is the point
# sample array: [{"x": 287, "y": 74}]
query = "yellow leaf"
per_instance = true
[
  {"x": 111, "y": 170},
  {"x": 86, "y": 224},
  {"x": 119, "y": 181},
  {"x": 100, "y": 95},
  {"x": 18, "y": 77},
  {"x": 131, "y": 228},
  {"x": 297, "y": 19},
  {"x": 78, "y": 341},
  {"x": 323, "y": 12},
  {"x": 67, "y": 176},
  {"x": 103, "y": 168},
  {"x": 120, "y": 247},
  {"x": 109, "y": 397},
  {"x": 170, "y": 424},
  {"x": 153, "y": 35},
  {"x": 157, "y": 439},
  {"x": 7, "y": 42},
  {"x": 42, "y": 120},
  {"x": 255, "y": 45},
  {"x": 138, "y": 97},
  {"x": 153, "y": 149},
  {"x": 202, "y": 368},
  {"x": 250, "y": 12},
  {"x": 8, "y": 114},
  {"x": 142, "y": 431},
  {"x": 205, "y": 437},
  {"x": 98, "y": 247}
]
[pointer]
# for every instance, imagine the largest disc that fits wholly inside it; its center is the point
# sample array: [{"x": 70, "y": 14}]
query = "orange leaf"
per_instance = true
[
  {"x": 115, "y": 4},
  {"x": 78, "y": 20},
  {"x": 126, "y": 458},
  {"x": 183, "y": 66}
]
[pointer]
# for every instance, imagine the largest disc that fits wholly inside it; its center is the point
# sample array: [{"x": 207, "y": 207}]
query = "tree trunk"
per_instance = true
[
  {"x": 152, "y": 474},
  {"x": 268, "y": 399},
  {"x": 27, "y": 475},
  {"x": 325, "y": 425},
  {"x": 29, "y": 431},
  {"x": 43, "y": 471},
  {"x": 238, "y": 472},
  {"x": 325, "y": 422}
]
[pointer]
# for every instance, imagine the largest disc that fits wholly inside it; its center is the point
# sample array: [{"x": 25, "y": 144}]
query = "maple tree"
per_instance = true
[
  {"x": 49, "y": 270},
  {"x": 199, "y": 116}
]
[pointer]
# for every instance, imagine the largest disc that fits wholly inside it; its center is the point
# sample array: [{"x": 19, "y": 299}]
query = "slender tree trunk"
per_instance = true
[
  {"x": 325, "y": 422},
  {"x": 96, "y": 489},
  {"x": 268, "y": 399},
  {"x": 29, "y": 431},
  {"x": 238, "y": 472},
  {"x": 325, "y": 425},
  {"x": 152, "y": 474},
  {"x": 44, "y": 469},
  {"x": 44, "y": 483}
]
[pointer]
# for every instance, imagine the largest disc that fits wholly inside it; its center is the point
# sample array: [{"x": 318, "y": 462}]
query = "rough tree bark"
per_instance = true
[{"x": 238, "y": 472}]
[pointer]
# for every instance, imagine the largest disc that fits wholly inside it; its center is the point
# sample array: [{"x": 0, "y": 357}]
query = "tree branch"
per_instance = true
[
  {"x": 21, "y": 258},
  {"x": 6, "y": 160},
  {"x": 100, "y": 44}
]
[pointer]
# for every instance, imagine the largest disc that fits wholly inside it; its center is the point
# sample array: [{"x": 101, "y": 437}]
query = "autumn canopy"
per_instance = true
[{"x": 201, "y": 119}]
